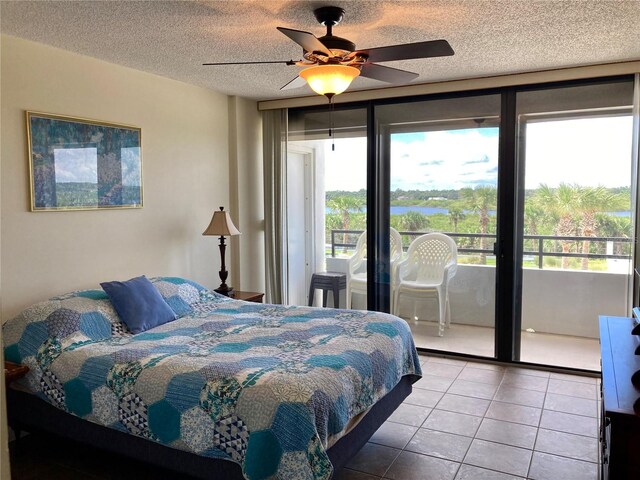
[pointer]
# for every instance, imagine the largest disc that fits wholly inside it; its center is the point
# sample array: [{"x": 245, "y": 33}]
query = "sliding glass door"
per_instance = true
[
  {"x": 442, "y": 156},
  {"x": 497, "y": 223},
  {"x": 574, "y": 148}
]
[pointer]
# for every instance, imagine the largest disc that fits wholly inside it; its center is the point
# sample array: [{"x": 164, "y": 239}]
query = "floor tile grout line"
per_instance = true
[
  {"x": 500, "y": 419},
  {"x": 567, "y": 457},
  {"x": 430, "y": 413},
  {"x": 405, "y": 446},
  {"x": 421, "y": 427},
  {"x": 535, "y": 440},
  {"x": 574, "y": 396},
  {"x": 475, "y": 436},
  {"x": 392, "y": 462},
  {"x": 446, "y": 391},
  {"x": 568, "y": 433}
]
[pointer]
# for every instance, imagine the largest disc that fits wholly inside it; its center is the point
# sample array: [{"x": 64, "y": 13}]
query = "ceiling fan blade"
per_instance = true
[
  {"x": 407, "y": 51},
  {"x": 286, "y": 62},
  {"x": 306, "y": 40},
  {"x": 386, "y": 74},
  {"x": 295, "y": 83}
]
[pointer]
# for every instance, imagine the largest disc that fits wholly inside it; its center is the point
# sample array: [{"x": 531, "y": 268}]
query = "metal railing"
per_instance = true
[{"x": 538, "y": 242}]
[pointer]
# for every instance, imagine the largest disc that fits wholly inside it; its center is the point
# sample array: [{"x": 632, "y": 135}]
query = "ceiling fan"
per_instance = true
[{"x": 331, "y": 62}]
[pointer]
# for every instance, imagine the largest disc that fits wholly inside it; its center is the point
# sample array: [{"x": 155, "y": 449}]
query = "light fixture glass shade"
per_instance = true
[
  {"x": 221, "y": 225},
  {"x": 329, "y": 79}
]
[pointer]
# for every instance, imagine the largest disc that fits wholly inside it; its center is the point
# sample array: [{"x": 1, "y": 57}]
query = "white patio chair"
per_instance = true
[
  {"x": 429, "y": 266},
  {"x": 357, "y": 270}
]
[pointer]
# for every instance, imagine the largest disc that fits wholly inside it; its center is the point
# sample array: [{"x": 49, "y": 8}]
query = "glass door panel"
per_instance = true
[
  {"x": 574, "y": 146},
  {"x": 327, "y": 195},
  {"x": 443, "y": 178}
]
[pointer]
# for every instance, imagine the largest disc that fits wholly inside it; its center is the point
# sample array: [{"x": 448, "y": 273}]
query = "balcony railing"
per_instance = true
[{"x": 538, "y": 243}]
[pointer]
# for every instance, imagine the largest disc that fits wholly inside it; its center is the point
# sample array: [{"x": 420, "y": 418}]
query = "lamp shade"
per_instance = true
[
  {"x": 329, "y": 79},
  {"x": 221, "y": 225}
]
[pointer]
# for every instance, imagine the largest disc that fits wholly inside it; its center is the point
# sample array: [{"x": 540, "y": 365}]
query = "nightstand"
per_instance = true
[
  {"x": 14, "y": 371},
  {"x": 255, "y": 297}
]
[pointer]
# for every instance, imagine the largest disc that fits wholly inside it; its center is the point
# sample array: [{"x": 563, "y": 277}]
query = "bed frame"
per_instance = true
[{"x": 29, "y": 412}]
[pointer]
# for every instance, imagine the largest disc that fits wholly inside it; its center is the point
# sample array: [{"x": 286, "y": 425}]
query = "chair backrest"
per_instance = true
[
  {"x": 395, "y": 244},
  {"x": 428, "y": 256},
  {"x": 358, "y": 261}
]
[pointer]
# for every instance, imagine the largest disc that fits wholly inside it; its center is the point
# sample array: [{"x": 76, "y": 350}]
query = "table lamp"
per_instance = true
[{"x": 222, "y": 226}]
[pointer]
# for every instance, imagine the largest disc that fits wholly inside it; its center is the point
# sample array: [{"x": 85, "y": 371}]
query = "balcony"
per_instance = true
[{"x": 560, "y": 307}]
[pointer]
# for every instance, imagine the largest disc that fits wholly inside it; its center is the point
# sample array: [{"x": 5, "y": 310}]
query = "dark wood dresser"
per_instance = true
[{"x": 620, "y": 419}]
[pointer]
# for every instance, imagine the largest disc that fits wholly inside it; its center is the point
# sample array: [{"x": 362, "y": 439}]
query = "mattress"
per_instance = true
[{"x": 269, "y": 387}]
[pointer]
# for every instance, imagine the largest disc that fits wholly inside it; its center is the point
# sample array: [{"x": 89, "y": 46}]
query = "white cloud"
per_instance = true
[
  {"x": 346, "y": 166},
  {"x": 589, "y": 152},
  {"x": 444, "y": 160}
]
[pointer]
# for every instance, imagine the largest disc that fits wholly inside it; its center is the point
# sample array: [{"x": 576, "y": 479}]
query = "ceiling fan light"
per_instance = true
[{"x": 329, "y": 79}]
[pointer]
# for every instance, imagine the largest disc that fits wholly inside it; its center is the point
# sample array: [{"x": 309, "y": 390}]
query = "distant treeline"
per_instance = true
[{"x": 434, "y": 197}]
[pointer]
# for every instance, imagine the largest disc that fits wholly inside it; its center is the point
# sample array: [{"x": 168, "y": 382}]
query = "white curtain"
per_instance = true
[{"x": 274, "y": 135}]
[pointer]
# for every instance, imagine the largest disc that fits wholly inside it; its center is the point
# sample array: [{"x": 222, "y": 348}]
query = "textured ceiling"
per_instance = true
[{"x": 173, "y": 39}]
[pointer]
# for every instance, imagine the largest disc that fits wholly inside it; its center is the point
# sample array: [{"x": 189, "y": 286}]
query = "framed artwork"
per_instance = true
[{"x": 80, "y": 164}]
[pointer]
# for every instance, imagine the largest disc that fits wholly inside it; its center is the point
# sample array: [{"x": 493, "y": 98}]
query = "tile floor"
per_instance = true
[
  {"x": 478, "y": 421},
  {"x": 540, "y": 348}
]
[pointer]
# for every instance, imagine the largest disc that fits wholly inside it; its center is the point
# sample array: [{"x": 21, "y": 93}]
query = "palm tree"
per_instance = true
[
  {"x": 613, "y": 226},
  {"x": 534, "y": 215},
  {"x": 456, "y": 214},
  {"x": 591, "y": 201},
  {"x": 534, "y": 218},
  {"x": 562, "y": 203},
  {"x": 480, "y": 200},
  {"x": 412, "y": 221},
  {"x": 345, "y": 206}
]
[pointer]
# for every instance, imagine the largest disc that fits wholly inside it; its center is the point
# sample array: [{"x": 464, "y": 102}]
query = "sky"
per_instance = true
[{"x": 588, "y": 152}]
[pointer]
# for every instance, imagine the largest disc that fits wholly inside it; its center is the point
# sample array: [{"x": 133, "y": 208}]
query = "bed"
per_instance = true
[{"x": 232, "y": 387}]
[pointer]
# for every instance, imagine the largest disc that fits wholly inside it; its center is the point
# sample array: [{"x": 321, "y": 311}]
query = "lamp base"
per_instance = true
[{"x": 225, "y": 290}]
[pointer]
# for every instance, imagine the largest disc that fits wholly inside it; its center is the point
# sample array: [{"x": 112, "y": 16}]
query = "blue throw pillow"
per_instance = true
[{"x": 138, "y": 303}]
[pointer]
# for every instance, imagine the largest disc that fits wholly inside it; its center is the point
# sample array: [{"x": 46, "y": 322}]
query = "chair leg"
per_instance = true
[
  {"x": 441, "y": 309},
  {"x": 347, "y": 297},
  {"x": 447, "y": 307},
  {"x": 391, "y": 297},
  {"x": 312, "y": 291},
  {"x": 396, "y": 303}
]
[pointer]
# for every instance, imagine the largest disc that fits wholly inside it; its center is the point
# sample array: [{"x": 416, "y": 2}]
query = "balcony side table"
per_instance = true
[{"x": 327, "y": 281}]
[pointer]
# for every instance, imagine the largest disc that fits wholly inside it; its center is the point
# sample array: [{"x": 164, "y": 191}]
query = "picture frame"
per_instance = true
[{"x": 81, "y": 164}]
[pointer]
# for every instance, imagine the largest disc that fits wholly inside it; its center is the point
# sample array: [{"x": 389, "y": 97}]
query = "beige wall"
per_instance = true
[
  {"x": 247, "y": 193},
  {"x": 5, "y": 472},
  {"x": 200, "y": 150},
  {"x": 185, "y": 149}
]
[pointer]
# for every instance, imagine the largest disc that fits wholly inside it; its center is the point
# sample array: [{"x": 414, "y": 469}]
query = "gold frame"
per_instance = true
[{"x": 29, "y": 114}]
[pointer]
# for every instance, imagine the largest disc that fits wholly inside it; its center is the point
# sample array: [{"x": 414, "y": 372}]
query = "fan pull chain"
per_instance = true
[{"x": 331, "y": 108}]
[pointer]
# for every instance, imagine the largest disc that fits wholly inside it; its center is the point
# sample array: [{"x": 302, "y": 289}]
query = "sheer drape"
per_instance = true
[{"x": 274, "y": 134}]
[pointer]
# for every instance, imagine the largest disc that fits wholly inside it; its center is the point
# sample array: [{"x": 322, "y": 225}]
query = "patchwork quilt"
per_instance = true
[{"x": 266, "y": 386}]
